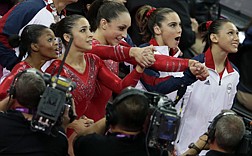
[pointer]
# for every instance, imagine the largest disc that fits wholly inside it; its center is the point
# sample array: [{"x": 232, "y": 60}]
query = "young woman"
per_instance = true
[
  {"x": 84, "y": 68},
  {"x": 205, "y": 99},
  {"x": 36, "y": 41},
  {"x": 161, "y": 27}
]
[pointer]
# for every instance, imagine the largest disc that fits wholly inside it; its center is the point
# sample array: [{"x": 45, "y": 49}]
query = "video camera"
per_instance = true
[
  {"x": 164, "y": 122},
  {"x": 52, "y": 104}
]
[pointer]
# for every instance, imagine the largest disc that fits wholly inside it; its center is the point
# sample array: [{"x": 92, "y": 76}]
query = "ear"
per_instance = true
[
  {"x": 34, "y": 47},
  {"x": 103, "y": 24},
  {"x": 214, "y": 38},
  {"x": 157, "y": 30},
  {"x": 66, "y": 37}
]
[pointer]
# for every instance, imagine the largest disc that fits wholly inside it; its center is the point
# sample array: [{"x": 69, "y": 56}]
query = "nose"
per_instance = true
[
  {"x": 179, "y": 29},
  {"x": 90, "y": 34},
  {"x": 124, "y": 34},
  {"x": 236, "y": 37}
]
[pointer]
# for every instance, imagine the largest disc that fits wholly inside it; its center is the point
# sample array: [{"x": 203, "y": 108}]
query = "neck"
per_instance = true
[
  {"x": 76, "y": 60},
  {"x": 116, "y": 129},
  {"x": 159, "y": 40},
  {"x": 98, "y": 35},
  {"x": 215, "y": 147},
  {"x": 35, "y": 61},
  {"x": 219, "y": 57}
]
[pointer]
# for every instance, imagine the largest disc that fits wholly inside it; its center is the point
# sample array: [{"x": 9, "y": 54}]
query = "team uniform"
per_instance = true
[
  {"x": 168, "y": 82},
  {"x": 205, "y": 99},
  {"x": 5, "y": 85},
  {"x": 95, "y": 72}
]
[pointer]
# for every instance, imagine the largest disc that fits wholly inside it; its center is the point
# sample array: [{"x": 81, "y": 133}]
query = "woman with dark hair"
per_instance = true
[
  {"x": 161, "y": 27},
  {"x": 205, "y": 99},
  {"x": 85, "y": 68},
  {"x": 39, "y": 44}
]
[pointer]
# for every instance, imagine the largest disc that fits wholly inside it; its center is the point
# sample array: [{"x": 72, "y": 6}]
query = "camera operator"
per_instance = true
[
  {"x": 16, "y": 136},
  {"x": 125, "y": 118},
  {"x": 223, "y": 137}
]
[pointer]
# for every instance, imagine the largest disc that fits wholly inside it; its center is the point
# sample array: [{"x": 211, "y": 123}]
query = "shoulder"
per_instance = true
[
  {"x": 200, "y": 58},
  {"x": 31, "y": 7},
  {"x": 21, "y": 66}
]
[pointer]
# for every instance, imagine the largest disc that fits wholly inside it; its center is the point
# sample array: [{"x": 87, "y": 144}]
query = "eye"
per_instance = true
[
  {"x": 83, "y": 30},
  {"x": 231, "y": 33},
  {"x": 173, "y": 25},
  {"x": 50, "y": 39},
  {"x": 122, "y": 28}
]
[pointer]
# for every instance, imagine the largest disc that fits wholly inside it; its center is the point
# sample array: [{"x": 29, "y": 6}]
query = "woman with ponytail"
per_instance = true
[
  {"x": 37, "y": 44},
  {"x": 161, "y": 27},
  {"x": 205, "y": 99}
]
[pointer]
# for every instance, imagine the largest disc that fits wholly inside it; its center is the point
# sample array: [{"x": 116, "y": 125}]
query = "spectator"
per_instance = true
[{"x": 204, "y": 99}]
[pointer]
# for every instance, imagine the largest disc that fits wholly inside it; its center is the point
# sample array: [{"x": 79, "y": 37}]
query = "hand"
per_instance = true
[
  {"x": 143, "y": 56},
  {"x": 65, "y": 117},
  {"x": 194, "y": 25},
  {"x": 199, "y": 70}
]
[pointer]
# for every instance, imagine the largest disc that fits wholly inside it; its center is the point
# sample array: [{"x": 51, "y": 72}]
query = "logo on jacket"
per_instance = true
[
  {"x": 229, "y": 88},
  {"x": 207, "y": 82}
]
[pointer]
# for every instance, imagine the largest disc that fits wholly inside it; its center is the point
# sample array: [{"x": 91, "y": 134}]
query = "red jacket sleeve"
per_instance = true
[
  {"x": 167, "y": 63},
  {"x": 117, "y": 53},
  {"x": 113, "y": 82}
]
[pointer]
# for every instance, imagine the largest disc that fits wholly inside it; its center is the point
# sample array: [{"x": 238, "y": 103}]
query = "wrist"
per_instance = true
[
  {"x": 139, "y": 69},
  {"x": 194, "y": 147}
]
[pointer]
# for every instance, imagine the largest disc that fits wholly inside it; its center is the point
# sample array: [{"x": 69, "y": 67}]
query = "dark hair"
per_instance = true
[
  {"x": 132, "y": 112},
  {"x": 108, "y": 10},
  {"x": 147, "y": 18},
  {"x": 229, "y": 131},
  {"x": 29, "y": 35},
  {"x": 29, "y": 87},
  {"x": 65, "y": 26},
  {"x": 214, "y": 28}
]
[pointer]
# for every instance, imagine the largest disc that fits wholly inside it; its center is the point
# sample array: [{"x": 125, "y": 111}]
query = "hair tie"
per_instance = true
[
  {"x": 150, "y": 12},
  {"x": 208, "y": 23}
]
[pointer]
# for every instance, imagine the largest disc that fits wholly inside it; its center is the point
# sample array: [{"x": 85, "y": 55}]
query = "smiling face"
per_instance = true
[
  {"x": 82, "y": 35},
  {"x": 116, "y": 29},
  {"x": 169, "y": 32},
  {"x": 227, "y": 38},
  {"x": 47, "y": 45}
]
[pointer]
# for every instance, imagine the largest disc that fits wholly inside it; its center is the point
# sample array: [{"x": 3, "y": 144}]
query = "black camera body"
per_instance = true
[
  {"x": 52, "y": 104},
  {"x": 163, "y": 124}
]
